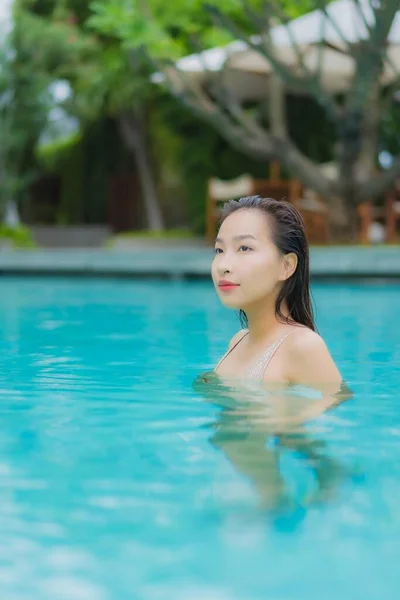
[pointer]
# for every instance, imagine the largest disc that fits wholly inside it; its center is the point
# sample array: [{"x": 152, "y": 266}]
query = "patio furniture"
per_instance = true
[
  {"x": 388, "y": 215},
  {"x": 314, "y": 214},
  {"x": 313, "y": 208},
  {"x": 219, "y": 191},
  {"x": 368, "y": 213},
  {"x": 392, "y": 215}
]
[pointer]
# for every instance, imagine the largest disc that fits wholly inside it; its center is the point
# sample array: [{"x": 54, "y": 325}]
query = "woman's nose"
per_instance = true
[{"x": 224, "y": 267}]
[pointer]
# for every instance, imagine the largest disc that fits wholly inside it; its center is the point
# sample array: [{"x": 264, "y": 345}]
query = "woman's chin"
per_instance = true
[
  {"x": 232, "y": 298},
  {"x": 230, "y": 303}
]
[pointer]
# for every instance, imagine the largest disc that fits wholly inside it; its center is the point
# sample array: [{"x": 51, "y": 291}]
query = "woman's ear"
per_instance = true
[{"x": 289, "y": 265}]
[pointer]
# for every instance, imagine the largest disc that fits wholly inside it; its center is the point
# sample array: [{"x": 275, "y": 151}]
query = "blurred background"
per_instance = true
[
  {"x": 124, "y": 119},
  {"x": 124, "y": 124}
]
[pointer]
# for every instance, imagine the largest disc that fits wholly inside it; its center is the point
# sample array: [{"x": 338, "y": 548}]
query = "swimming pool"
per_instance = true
[{"x": 109, "y": 486}]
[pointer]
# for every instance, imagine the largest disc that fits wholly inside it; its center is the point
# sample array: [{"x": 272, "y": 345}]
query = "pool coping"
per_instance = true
[{"x": 187, "y": 262}]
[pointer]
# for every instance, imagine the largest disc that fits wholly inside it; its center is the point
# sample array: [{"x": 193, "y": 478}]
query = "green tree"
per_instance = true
[
  {"x": 357, "y": 115},
  {"x": 123, "y": 81},
  {"x": 23, "y": 114},
  {"x": 32, "y": 56},
  {"x": 103, "y": 86}
]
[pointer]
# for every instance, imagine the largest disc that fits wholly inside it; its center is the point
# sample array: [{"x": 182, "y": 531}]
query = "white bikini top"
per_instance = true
[{"x": 257, "y": 371}]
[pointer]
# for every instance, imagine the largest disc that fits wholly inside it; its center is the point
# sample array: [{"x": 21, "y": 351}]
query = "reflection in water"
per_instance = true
[{"x": 258, "y": 425}]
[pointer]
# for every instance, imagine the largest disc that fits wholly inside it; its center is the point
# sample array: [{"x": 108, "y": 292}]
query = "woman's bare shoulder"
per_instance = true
[
  {"x": 237, "y": 337},
  {"x": 309, "y": 358},
  {"x": 304, "y": 339}
]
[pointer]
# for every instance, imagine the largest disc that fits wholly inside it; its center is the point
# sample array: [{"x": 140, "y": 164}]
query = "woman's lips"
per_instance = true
[{"x": 227, "y": 286}]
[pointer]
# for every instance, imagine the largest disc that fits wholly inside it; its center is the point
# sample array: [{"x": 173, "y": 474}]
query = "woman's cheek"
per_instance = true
[
  {"x": 214, "y": 271},
  {"x": 264, "y": 273}
]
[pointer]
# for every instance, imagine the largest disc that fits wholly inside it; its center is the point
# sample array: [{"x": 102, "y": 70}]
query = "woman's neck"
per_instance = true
[{"x": 263, "y": 322}]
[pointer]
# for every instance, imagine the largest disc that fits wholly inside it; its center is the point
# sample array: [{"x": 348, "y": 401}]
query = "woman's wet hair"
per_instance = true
[{"x": 288, "y": 234}]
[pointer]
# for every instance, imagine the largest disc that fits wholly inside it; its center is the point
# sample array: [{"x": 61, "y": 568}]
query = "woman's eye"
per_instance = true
[
  {"x": 218, "y": 250},
  {"x": 244, "y": 248}
]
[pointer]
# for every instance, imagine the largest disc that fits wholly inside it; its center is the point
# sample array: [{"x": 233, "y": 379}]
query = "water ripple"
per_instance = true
[{"x": 120, "y": 481}]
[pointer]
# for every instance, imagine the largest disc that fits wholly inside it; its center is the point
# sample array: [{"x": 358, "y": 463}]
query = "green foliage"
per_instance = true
[
  {"x": 18, "y": 237},
  {"x": 192, "y": 153},
  {"x": 164, "y": 29},
  {"x": 104, "y": 78},
  {"x": 148, "y": 234},
  {"x": 35, "y": 54},
  {"x": 65, "y": 158},
  {"x": 49, "y": 155},
  {"x": 188, "y": 153},
  {"x": 22, "y": 117},
  {"x": 84, "y": 164},
  {"x": 55, "y": 45},
  {"x": 391, "y": 127},
  {"x": 172, "y": 29},
  {"x": 96, "y": 47}
]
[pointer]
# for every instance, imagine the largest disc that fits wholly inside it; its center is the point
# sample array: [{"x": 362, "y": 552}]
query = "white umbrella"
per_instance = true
[{"x": 345, "y": 24}]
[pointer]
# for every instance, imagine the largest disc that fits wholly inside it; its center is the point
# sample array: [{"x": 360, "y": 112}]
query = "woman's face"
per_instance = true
[{"x": 247, "y": 258}]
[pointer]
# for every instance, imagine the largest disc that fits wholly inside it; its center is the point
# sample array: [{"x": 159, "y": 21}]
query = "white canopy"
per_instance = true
[{"x": 346, "y": 23}]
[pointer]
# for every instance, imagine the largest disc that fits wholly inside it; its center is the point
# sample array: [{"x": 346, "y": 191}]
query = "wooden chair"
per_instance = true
[
  {"x": 278, "y": 189},
  {"x": 392, "y": 215},
  {"x": 315, "y": 215},
  {"x": 368, "y": 213},
  {"x": 219, "y": 191},
  {"x": 388, "y": 214},
  {"x": 365, "y": 215},
  {"x": 314, "y": 212}
]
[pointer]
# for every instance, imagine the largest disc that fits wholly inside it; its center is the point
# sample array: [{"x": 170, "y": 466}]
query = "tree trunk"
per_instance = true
[
  {"x": 277, "y": 108},
  {"x": 345, "y": 225},
  {"x": 370, "y": 134},
  {"x": 356, "y": 115},
  {"x": 131, "y": 126}
]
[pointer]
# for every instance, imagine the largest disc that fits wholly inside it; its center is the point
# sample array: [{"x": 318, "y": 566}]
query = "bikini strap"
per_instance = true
[
  {"x": 229, "y": 351},
  {"x": 258, "y": 370}
]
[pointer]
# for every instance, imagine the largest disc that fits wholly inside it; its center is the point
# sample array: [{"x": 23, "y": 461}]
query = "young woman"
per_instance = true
[{"x": 261, "y": 268}]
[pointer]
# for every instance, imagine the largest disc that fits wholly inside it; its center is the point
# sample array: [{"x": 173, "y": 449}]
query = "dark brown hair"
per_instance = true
[{"x": 288, "y": 234}]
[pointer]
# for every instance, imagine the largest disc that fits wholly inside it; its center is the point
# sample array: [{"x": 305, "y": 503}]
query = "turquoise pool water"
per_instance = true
[{"x": 110, "y": 487}]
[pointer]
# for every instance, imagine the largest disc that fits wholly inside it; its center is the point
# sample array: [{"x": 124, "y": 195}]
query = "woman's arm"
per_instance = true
[{"x": 310, "y": 363}]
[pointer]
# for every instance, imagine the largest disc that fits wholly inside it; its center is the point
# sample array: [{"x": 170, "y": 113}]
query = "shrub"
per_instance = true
[{"x": 19, "y": 237}]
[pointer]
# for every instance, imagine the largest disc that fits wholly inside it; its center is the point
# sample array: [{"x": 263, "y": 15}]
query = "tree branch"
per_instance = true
[
  {"x": 360, "y": 10},
  {"x": 225, "y": 98},
  {"x": 307, "y": 171},
  {"x": 219, "y": 107},
  {"x": 396, "y": 82},
  {"x": 226, "y": 23},
  {"x": 357, "y": 129},
  {"x": 322, "y": 6},
  {"x": 250, "y": 139},
  {"x": 370, "y": 55},
  {"x": 275, "y": 10},
  {"x": 379, "y": 183},
  {"x": 259, "y": 23},
  {"x": 235, "y": 126},
  {"x": 302, "y": 83}
]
